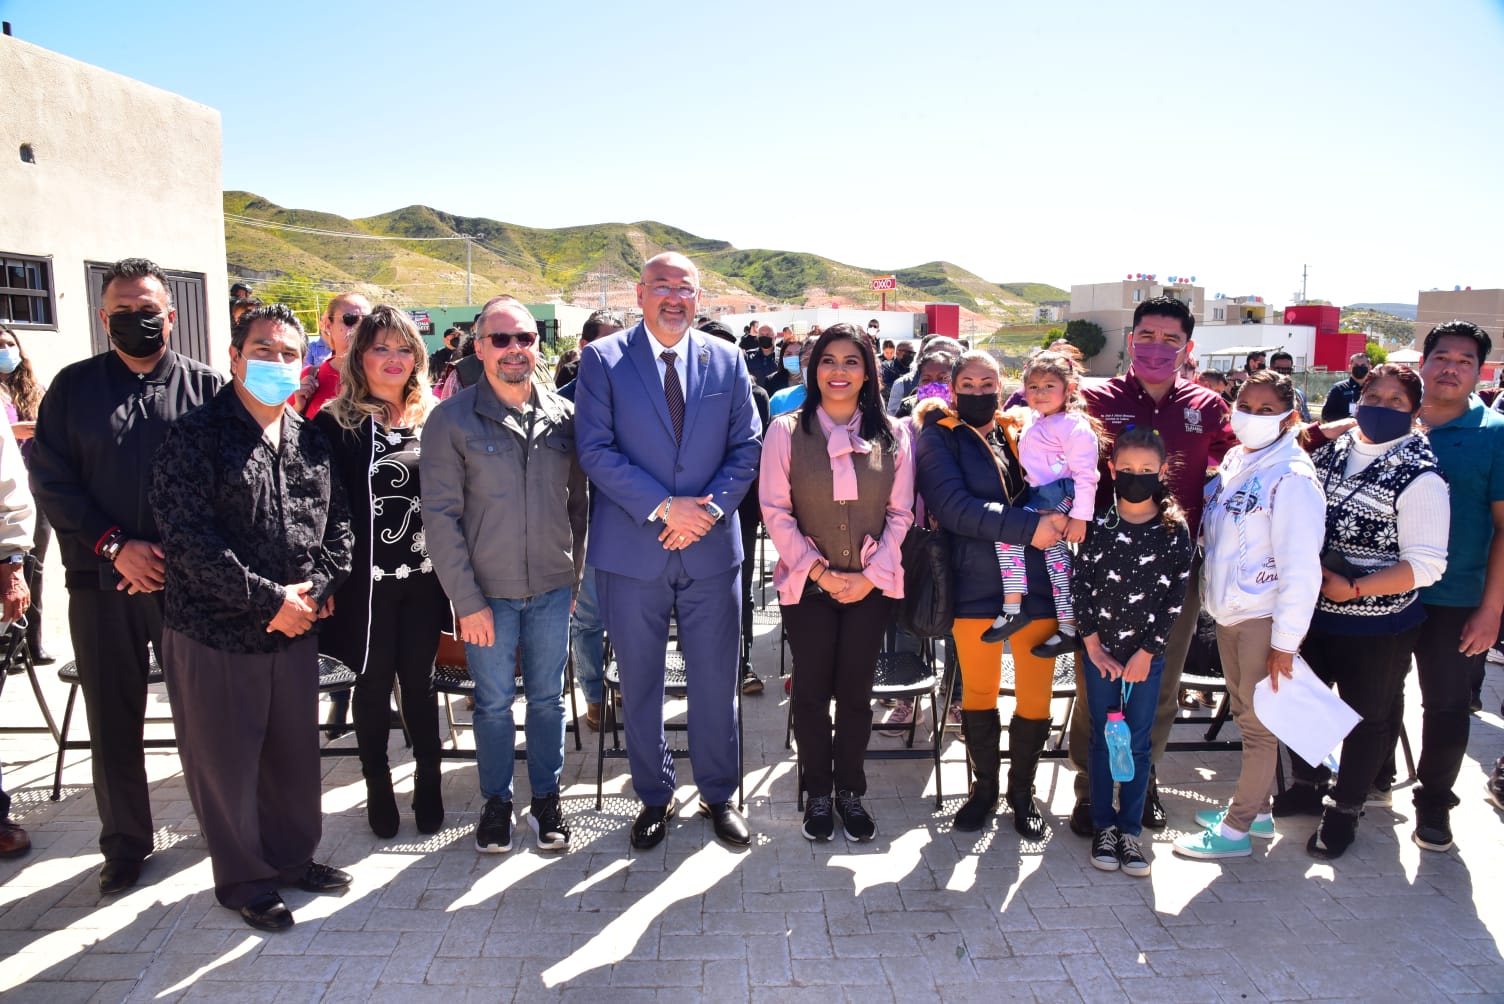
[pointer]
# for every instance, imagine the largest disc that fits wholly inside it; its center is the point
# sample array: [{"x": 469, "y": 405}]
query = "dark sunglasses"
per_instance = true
[
  {"x": 351, "y": 320},
  {"x": 501, "y": 339}
]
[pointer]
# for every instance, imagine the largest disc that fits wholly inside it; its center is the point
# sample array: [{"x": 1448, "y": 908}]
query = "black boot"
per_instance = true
[
  {"x": 428, "y": 797},
  {"x": 381, "y": 803},
  {"x": 1026, "y": 739},
  {"x": 983, "y": 731}
]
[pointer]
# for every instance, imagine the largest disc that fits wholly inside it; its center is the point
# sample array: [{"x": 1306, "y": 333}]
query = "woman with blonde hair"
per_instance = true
[{"x": 389, "y": 613}]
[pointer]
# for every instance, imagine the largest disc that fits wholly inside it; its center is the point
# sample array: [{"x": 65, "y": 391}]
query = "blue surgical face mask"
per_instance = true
[
  {"x": 269, "y": 382},
  {"x": 9, "y": 359},
  {"x": 1382, "y": 425},
  {"x": 791, "y": 363}
]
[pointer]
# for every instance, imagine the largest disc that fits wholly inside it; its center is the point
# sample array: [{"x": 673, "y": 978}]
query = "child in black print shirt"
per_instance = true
[{"x": 1128, "y": 586}]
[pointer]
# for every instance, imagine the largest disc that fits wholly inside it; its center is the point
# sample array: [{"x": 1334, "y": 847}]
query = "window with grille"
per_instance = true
[{"x": 26, "y": 298}]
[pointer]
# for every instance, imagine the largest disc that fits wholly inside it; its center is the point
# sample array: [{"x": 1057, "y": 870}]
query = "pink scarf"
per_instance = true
[{"x": 841, "y": 443}]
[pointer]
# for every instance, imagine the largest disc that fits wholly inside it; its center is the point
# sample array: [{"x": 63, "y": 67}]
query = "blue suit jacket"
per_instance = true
[{"x": 625, "y": 442}]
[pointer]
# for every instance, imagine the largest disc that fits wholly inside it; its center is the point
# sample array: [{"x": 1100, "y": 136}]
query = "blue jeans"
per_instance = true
[
  {"x": 587, "y": 639},
  {"x": 1101, "y": 694},
  {"x": 540, "y": 624}
]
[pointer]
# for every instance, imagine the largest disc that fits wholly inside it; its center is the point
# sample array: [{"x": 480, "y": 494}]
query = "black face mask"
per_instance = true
[
  {"x": 138, "y": 334},
  {"x": 1135, "y": 487},
  {"x": 976, "y": 409},
  {"x": 1360, "y": 372},
  {"x": 765, "y": 341}
]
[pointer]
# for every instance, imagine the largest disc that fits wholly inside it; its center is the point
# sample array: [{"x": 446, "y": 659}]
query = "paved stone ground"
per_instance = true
[{"x": 922, "y": 913}]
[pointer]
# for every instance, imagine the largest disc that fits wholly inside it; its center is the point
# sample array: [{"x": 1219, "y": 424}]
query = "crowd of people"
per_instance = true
[{"x": 367, "y": 500}]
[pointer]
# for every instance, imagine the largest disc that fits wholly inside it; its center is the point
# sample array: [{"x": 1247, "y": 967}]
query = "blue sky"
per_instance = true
[{"x": 1066, "y": 142}]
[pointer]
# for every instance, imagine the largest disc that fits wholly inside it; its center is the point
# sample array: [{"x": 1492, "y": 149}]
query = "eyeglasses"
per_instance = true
[
  {"x": 683, "y": 292},
  {"x": 501, "y": 339},
  {"x": 351, "y": 320}
]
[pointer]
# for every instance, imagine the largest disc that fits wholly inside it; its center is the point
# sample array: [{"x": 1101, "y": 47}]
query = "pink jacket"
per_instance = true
[
  {"x": 882, "y": 560},
  {"x": 1062, "y": 445}
]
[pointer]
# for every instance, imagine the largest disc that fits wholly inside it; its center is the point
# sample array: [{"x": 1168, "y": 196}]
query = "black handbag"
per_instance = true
[{"x": 928, "y": 607}]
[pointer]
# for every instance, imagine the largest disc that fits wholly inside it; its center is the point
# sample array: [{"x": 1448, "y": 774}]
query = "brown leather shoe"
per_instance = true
[
  {"x": 13, "y": 840},
  {"x": 593, "y": 716}
]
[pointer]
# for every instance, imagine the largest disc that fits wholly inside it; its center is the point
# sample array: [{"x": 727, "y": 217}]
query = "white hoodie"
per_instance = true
[{"x": 1263, "y": 529}]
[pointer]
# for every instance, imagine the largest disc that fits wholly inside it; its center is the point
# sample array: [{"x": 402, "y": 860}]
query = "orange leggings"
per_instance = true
[{"x": 982, "y": 667}]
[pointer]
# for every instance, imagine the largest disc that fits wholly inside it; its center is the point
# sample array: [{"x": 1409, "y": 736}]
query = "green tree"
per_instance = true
[
  {"x": 1086, "y": 336},
  {"x": 1376, "y": 353}
]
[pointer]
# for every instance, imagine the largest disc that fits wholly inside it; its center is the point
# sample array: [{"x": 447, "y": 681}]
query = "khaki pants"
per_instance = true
[{"x": 1245, "y": 651}]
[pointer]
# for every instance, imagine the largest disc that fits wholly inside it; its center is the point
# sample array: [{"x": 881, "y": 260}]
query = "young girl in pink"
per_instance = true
[{"x": 1059, "y": 451}]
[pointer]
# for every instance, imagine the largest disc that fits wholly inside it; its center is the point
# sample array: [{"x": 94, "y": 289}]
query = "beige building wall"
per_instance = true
[
  {"x": 1111, "y": 305},
  {"x": 121, "y": 169},
  {"x": 1484, "y": 307}
]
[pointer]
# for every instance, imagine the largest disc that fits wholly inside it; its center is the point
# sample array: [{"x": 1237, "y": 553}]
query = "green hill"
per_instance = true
[{"x": 327, "y": 250}]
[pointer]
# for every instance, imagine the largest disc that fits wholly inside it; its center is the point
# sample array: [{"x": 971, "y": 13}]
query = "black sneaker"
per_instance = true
[
  {"x": 1104, "y": 850},
  {"x": 1495, "y": 787},
  {"x": 1005, "y": 626},
  {"x": 1131, "y": 857},
  {"x": 1433, "y": 826},
  {"x": 1334, "y": 836},
  {"x": 493, "y": 835},
  {"x": 1299, "y": 800},
  {"x": 1081, "y": 819},
  {"x": 547, "y": 821},
  {"x": 855, "y": 820},
  {"x": 1155, "y": 816},
  {"x": 819, "y": 824},
  {"x": 751, "y": 684}
]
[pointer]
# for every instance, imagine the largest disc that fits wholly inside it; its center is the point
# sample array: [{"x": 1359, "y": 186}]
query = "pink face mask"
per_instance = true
[
  {"x": 940, "y": 390},
  {"x": 1154, "y": 362}
]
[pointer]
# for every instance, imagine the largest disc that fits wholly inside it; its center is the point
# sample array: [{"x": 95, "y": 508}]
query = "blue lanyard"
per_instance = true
[{"x": 1125, "y": 688}]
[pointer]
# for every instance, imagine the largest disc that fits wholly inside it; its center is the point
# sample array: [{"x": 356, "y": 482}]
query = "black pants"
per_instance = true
[
  {"x": 1368, "y": 673},
  {"x": 110, "y": 631},
  {"x": 41, "y": 543},
  {"x": 406, "y": 616},
  {"x": 835, "y": 648},
  {"x": 250, "y": 759},
  {"x": 1446, "y": 687}
]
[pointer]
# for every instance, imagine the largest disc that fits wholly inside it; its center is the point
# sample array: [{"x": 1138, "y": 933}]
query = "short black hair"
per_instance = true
[
  {"x": 591, "y": 329},
  {"x": 1281, "y": 356},
  {"x": 1458, "y": 329},
  {"x": 887, "y": 343},
  {"x": 135, "y": 268},
  {"x": 719, "y": 330},
  {"x": 279, "y": 312},
  {"x": 240, "y": 291},
  {"x": 1166, "y": 306}
]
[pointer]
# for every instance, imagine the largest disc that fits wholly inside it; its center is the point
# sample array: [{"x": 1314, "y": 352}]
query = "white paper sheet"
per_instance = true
[{"x": 1304, "y": 714}]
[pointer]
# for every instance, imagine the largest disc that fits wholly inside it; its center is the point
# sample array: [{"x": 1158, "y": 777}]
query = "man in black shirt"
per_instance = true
[
  {"x": 439, "y": 361},
  {"x": 763, "y": 363},
  {"x": 98, "y": 430},
  {"x": 1343, "y": 398},
  {"x": 256, "y": 536}
]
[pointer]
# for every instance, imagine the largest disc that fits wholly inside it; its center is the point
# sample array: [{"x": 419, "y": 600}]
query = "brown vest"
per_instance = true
[{"x": 837, "y": 528}]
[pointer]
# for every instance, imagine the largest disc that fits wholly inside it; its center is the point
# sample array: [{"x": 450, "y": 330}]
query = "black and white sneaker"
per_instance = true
[
  {"x": 493, "y": 835},
  {"x": 858, "y": 824},
  {"x": 1104, "y": 850},
  {"x": 547, "y": 821},
  {"x": 1433, "y": 826},
  {"x": 1131, "y": 856},
  {"x": 1495, "y": 787},
  {"x": 819, "y": 824}
]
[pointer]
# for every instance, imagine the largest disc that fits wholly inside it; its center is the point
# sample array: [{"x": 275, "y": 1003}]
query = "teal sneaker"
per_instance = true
[
  {"x": 1210, "y": 845},
  {"x": 1212, "y": 818}
]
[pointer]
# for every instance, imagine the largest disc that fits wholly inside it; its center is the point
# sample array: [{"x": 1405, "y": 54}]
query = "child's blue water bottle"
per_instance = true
[{"x": 1119, "y": 746}]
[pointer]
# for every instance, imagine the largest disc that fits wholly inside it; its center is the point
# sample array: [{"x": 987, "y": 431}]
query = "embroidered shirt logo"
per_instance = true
[{"x": 1193, "y": 420}]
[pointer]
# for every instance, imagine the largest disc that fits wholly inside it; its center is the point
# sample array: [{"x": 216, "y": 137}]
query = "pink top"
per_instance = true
[
  {"x": 1062, "y": 445},
  {"x": 882, "y": 560}
]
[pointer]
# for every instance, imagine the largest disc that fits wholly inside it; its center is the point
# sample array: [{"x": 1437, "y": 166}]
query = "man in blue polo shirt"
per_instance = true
[{"x": 1463, "y": 607}]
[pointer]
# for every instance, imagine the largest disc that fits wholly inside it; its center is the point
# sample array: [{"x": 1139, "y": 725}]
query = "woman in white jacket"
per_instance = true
[{"x": 1262, "y": 528}]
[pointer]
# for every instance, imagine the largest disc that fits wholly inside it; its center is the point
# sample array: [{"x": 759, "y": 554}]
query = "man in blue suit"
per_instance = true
[{"x": 667, "y": 434}]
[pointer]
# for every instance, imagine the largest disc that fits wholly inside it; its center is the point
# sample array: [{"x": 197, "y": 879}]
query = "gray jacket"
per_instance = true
[{"x": 497, "y": 522}]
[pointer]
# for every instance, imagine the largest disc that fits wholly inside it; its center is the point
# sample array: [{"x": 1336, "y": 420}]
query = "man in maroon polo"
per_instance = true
[{"x": 1194, "y": 425}]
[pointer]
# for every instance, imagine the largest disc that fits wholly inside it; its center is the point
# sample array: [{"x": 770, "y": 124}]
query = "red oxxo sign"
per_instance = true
[{"x": 883, "y": 283}]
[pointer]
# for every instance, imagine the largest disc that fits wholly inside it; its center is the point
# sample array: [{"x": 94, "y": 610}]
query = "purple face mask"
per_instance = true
[
  {"x": 940, "y": 390},
  {"x": 1154, "y": 362}
]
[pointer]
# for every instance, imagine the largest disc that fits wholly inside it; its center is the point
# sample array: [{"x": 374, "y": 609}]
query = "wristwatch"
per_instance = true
[{"x": 19, "y": 558}]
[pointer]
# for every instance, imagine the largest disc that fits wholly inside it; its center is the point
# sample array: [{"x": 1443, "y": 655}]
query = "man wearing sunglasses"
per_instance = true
[
  {"x": 337, "y": 329},
  {"x": 504, "y": 513},
  {"x": 670, "y": 440}
]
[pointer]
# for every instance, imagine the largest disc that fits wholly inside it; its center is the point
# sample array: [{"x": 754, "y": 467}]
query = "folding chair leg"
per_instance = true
[
  {"x": 1409, "y": 756},
  {"x": 608, "y": 711},
  {"x": 1224, "y": 710},
  {"x": 62, "y": 743}
]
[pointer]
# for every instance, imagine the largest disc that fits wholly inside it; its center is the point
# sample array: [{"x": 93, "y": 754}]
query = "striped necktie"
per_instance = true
[{"x": 673, "y": 392}]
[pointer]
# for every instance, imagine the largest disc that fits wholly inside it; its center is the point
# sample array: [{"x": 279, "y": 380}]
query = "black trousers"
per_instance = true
[
  {"x": 1368, "y": 673},
  {"x": 41, "y": 543},
  {"x": 250, "y": 759},
  {"x": 835, "y": 648},
  {"x": 1446, "y": 688},
  {"x": 111, "y": 630},
  {"x": 406, "y": 616}
]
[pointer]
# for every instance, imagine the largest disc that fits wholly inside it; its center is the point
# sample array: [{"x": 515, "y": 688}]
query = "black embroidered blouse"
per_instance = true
[{"x": 1129, "y": 582}]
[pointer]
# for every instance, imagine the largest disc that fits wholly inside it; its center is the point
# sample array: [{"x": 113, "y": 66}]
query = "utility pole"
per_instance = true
[
  {"x": 1304, "y": 271},
  {"x": 469, "y": 240},
  {"x": 605, "y": 279}
]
